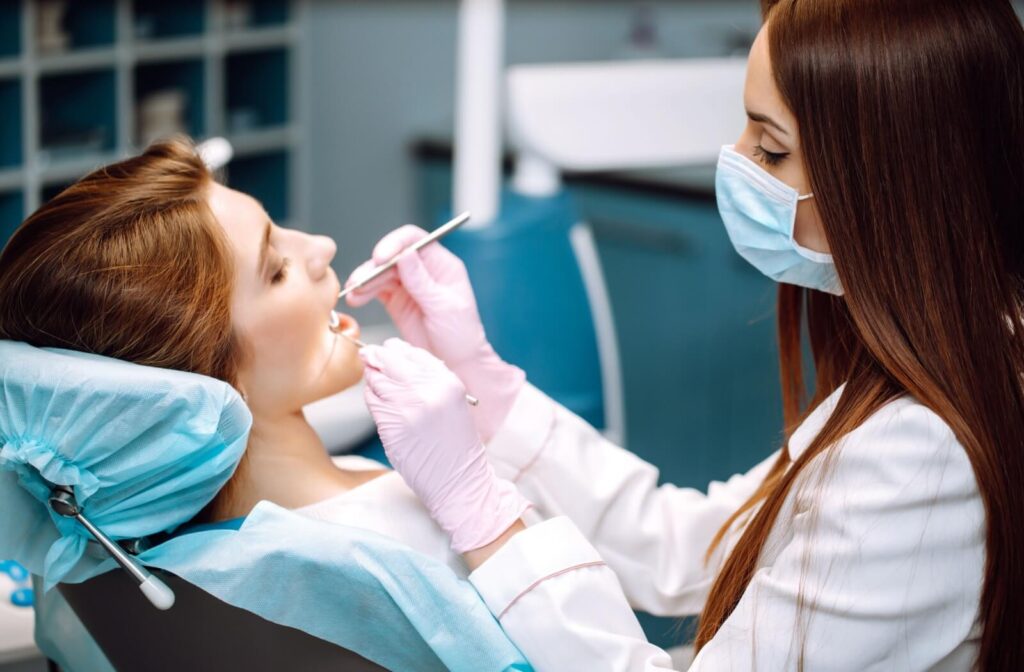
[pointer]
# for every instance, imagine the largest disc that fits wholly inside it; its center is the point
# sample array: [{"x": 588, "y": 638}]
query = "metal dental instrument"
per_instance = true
[
  {"x": 63, "y": 502},
  {"x": 437, "y": 234},
  {"x": 473, "y": 401}
]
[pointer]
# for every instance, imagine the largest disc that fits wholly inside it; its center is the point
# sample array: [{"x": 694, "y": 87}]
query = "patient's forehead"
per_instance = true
[{"x": 243, "y": 220}]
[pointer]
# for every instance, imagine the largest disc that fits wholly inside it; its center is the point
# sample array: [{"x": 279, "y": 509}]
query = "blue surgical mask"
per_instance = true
[{"x": 759, "y": 212}]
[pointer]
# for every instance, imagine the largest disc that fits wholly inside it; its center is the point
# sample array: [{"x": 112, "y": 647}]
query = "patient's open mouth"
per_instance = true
[{"x": 343, "y": 324}]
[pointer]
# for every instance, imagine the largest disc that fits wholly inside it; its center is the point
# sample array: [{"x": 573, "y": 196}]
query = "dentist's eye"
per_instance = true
[
  {"x": 769, "y": 158},
  {"x": 282, "y": 271}
]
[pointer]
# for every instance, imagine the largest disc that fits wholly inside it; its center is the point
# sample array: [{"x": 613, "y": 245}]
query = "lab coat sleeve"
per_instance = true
[
  {"x": 877, "y": 564},
  {"x": 562, "y": 605},
  {"x": 654, "y": 538},
  {"x": 884, "y": 549}
]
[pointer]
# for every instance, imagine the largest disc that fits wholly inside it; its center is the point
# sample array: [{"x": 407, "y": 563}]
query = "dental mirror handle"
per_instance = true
[{"x": 437, "y": 234}]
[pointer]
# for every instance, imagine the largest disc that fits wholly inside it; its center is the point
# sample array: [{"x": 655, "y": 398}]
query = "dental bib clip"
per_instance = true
[{"x": 63, "y": 503}]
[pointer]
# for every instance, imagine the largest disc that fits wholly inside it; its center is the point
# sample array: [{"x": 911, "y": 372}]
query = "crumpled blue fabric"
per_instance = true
[
  {"x": 358, "y": 589},
  {"x": 146, "y": 449}
]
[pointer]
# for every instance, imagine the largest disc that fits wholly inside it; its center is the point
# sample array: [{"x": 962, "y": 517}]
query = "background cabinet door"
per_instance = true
[{"x": 696, "y": 329}]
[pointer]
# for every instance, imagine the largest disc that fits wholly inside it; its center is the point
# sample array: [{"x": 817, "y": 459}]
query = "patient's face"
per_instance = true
[{"x": 284, "y": 292}]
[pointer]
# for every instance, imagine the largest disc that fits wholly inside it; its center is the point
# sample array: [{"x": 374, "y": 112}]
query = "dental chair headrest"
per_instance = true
[{"x": 144, "y": 450}]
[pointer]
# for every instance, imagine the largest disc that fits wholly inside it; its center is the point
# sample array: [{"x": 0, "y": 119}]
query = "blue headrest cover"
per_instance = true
[{"x": 144, "y": 449}]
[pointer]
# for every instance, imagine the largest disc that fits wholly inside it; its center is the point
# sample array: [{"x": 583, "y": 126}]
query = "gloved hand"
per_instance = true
[
  {"x": 429, "y": 436},
  {"x": 431, "y": 302}
]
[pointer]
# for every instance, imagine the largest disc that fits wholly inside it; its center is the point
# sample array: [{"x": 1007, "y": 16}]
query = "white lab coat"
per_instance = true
[{"x": 888, "y": 556}]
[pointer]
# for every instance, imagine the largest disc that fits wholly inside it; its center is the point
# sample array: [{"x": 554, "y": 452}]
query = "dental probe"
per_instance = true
[
  {"x": 473, "y": 401},
  {"x": 437, "y": 234}
]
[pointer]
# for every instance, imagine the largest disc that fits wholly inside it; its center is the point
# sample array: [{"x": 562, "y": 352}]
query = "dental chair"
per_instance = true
[
  {"x": 199, "y": 633},
  {"x": 104, "y": 463}
]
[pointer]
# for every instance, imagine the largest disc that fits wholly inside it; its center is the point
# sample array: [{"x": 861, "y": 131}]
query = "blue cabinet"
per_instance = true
[{"x": 696, "y": 330}]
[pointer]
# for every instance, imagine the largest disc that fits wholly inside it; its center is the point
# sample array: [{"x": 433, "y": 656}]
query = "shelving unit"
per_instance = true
[{"x": 72, "y": 99}]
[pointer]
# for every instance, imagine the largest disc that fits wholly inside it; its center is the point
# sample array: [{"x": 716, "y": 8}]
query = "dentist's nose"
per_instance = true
[{"x": 321, "y": 253}]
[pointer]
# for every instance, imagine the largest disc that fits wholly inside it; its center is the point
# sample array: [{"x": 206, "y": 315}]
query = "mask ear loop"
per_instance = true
[{"x": 805, "y": 197}]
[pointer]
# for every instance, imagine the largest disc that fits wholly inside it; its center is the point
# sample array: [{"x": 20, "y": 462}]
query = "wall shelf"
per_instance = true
[
  {"x": 75, "y": 61},
  {"x": 159, "y": 19},
  {"x": 185, "y": 80},
  {"x": 70, "y": 168},
  {"x": 94, "y": 83},
  {"x": 258, "y": 38},
  {"x": 77, "y": 115},
  {"x": 266, "y": 177},
  {"x": 11, "y": 212},
  {"x": 86, "y": 23},
  {"x": 10, "y": 33},
  {"x": 256, "y": 89},
  {"x": 11, "y": 179},
  {"x": 10, "y": 123},
  {"x": 260, "y": 141}
]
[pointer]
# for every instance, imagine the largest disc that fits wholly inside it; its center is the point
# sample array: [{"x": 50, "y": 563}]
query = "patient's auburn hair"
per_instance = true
[
  {"x": 911, "y": 123},
  {"x": 129, "y": 262}
]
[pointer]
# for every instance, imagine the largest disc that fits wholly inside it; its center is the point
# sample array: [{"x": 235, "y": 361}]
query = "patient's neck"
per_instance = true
[{"x": 287, "y": 464}]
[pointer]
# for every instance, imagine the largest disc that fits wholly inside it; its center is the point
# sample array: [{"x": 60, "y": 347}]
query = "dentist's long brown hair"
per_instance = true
[{"x": 911, "y": 116}]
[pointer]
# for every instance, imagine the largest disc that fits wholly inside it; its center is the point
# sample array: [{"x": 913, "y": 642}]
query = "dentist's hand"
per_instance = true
[
  {"x": 424, "y": 423},
  {"x": 429, "y": 297}
]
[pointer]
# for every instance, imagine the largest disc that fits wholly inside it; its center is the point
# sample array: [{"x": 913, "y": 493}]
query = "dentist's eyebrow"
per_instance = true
[
  {"x": 261, "y": 265},
  {"x": 765, "y": 119}
]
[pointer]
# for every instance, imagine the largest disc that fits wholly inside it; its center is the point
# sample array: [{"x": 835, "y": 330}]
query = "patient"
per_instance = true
[{"x": 150, "y": 260}]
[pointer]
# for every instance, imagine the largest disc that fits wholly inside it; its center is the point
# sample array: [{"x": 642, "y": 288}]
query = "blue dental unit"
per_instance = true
[{"x": 533, "y": 300}]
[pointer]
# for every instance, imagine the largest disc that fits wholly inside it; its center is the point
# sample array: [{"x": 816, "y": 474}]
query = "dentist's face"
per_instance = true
[
  {"x": 772, "y": 139},
  {"x": 284, "y": 292}
]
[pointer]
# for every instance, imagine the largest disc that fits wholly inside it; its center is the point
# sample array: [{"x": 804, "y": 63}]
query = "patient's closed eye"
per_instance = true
[{"x": 282, "y": 271}]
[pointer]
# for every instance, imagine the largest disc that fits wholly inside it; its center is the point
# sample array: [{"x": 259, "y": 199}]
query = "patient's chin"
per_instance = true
[{"x": 345, "y": 371}]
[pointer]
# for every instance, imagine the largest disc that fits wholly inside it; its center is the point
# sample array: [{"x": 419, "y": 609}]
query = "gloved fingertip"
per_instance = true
[
  {"x": 396, "y": 343},
  {"x": 410, "y": 260},
  {"x": 415, "y": 276},
  {"x": 369, "y": 393},
  {"x": 388, "y": 247},
  {"x": 357, "y": 299},
  {"x": 424, "y": 356},
  {"x": 370, "y": 357}
]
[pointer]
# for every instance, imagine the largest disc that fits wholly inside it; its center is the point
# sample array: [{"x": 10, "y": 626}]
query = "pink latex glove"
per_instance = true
[
  {"x": 431, "y": 302},
  {"x": 429, "y": 436}
]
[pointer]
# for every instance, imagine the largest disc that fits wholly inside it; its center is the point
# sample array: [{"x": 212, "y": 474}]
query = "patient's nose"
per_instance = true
[{"x": 321, "y": 251}]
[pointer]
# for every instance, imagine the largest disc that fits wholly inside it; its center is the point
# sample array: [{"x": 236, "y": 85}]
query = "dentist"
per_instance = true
[{"x": 880, "y": 180}]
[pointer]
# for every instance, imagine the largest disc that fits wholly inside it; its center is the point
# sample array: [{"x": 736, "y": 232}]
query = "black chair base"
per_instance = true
[{"x": 199, "y": 633}]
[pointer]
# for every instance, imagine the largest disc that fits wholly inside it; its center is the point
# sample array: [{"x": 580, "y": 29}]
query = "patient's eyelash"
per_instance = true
[
  {"x": 769, "y": 158},
  {"x": 282, "y": 272}
]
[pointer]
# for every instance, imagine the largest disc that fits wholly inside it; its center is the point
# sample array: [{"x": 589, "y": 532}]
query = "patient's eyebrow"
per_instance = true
[{"x": 261, "y": 265}]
